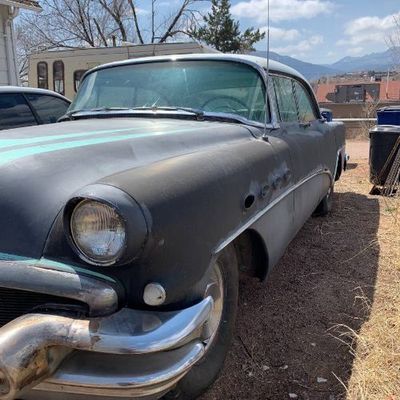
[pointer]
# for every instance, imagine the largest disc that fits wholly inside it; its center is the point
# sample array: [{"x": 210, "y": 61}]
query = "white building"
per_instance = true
[{"x": 8, "y": 64}]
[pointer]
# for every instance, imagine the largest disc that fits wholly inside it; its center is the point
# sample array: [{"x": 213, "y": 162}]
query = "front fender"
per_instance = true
[{"x": 192, "y": 203}]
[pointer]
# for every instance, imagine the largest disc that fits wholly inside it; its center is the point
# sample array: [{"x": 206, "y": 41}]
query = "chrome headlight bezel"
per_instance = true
[
  {"x": 84, "y": 254},
  {"x": 129, "y": 211}
]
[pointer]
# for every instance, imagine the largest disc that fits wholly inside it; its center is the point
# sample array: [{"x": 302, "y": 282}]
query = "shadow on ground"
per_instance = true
[
  {"x": 285, "y": 341},
  {"x": 351, "y": 166}
]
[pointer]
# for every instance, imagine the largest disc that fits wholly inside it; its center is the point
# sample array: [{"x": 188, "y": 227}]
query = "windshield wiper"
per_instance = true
[
  {"x": 70, "y": 114},
  {"x": 198, "y": 113}
]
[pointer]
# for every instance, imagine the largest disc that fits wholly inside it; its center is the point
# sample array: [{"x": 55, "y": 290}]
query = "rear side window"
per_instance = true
[
  {"x": 305, "y": 106},
  {"x": 48, "y": 108},
  {"x": 285, "y": 99},
  {"x": 15, "y": 112}
]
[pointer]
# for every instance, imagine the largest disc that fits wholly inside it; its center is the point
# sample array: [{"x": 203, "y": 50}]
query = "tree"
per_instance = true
[
  {"x": 99, "y": 23},
  {"x": 221, "y": 31},
  {"x": 393, "y": 41}
]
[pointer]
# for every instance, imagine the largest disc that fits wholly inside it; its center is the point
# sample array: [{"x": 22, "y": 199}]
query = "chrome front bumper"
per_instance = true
[{"x": 128, "y": 354}]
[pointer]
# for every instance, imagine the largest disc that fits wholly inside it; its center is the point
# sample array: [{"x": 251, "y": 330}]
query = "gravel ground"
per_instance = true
[{"x": 287, "y": 341}]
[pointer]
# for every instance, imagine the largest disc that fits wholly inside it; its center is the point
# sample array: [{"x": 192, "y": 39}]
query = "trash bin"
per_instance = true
[
  {"x": 389, "y": 115},
  {"x": 382, "y": 140}
]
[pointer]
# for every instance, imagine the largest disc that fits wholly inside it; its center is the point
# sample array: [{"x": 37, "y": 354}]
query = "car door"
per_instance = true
[
  {"x": 15, "y": 111},
  {"x": 300, "y": 129},
  {"x": 310, "y": 145},
  {"x": 48, "y": 108}
]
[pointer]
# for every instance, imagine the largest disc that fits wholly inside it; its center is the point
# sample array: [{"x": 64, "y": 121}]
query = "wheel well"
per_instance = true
[
  {"x": 252, "y": 254},
  {"x": 338, "y": 171}
]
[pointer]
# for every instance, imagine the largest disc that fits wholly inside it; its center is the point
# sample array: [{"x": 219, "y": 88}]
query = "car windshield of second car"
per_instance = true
[{"x": 208, "y": 86}]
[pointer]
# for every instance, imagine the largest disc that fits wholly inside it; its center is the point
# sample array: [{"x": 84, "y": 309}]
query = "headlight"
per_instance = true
[{"x": 98, "y": 232}]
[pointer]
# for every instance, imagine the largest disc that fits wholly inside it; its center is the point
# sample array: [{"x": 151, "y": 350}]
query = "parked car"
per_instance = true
[
  {"x": 124, "y": 230},
  {"x": 23, "y": 106}
]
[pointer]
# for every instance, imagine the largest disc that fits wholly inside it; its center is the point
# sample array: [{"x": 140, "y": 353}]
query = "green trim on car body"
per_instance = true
[
  {"x": 6, "y": 143},
  {"x": 56, "y": 265},
  {"x": 14, "y": 155}
]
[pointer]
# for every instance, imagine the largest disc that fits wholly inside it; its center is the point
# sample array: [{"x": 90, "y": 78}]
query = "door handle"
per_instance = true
[{"x": 287, "y": 175}]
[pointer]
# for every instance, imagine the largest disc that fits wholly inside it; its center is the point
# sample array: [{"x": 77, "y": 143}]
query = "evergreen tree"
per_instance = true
[{"x": 221, "y": 31}]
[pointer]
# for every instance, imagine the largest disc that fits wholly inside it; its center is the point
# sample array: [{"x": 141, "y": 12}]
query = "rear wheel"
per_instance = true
[
  {"x": 325, "y": 206},
  {"x": 223, "y": 287}
]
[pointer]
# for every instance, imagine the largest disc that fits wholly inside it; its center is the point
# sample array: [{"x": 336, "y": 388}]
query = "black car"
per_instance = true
[
  {"x": 22, "y": 106},
  {"x": 123, "y": 230}
]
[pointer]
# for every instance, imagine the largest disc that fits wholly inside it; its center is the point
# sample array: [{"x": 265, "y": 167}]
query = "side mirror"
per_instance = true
[{"x": 327, "y": 115}]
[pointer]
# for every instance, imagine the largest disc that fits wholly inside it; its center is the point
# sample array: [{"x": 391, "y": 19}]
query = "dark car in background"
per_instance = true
[{"x": 23, "y": 106}]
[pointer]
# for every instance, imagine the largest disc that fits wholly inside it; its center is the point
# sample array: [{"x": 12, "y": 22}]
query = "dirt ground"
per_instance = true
[{"x": 287, "y": 343}]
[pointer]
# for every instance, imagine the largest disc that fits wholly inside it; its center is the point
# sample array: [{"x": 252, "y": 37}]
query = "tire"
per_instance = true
[
  {"x": 206, "y": 371},
  {"x": 325, "y": 206}
]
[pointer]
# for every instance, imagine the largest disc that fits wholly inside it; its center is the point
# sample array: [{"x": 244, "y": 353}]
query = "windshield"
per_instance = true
[{"x": 209, "y": 86}]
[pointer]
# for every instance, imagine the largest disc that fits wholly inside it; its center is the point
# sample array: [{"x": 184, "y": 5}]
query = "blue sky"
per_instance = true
[
  {"x": 323, "y": 31},
  {"x": 318, "y": 31}
]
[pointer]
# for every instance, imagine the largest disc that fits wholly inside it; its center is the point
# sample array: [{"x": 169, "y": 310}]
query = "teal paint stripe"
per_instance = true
[
  {"x": 13, "y": 155},
  {"x": 58, "y": 266},
  {"x": 71, "y": 268},
  {"x": 6, "y": 143},
  {"x": 12, "y": 257}
]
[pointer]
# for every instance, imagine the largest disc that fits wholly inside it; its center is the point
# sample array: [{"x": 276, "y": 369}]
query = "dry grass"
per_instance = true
[
  {"x": 376, "y": 368},
  {"x": 376, "y": 347}
]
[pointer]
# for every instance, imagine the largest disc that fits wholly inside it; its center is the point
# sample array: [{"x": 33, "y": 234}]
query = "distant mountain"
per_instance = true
[
  {"x": 310, "y": 71},
  {"x": 374, "y": 61},
  {"x": 370, "y": 62}
]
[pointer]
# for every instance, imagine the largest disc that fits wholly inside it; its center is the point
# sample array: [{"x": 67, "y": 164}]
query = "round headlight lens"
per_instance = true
[{"x": 98, "y": 232}]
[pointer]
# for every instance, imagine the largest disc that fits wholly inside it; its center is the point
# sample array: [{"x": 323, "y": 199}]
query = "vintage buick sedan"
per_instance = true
[{"x": 124, "y": 227}]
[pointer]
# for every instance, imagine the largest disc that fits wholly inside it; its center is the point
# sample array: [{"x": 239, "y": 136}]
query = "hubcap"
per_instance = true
[{"x": 215, "y": 289}]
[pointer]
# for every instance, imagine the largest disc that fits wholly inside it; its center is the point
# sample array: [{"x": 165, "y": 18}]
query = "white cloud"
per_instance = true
[
  {"x": 142, "y": 11},
  {"x": 367, "y": 30},
  {"x": 279, "y": 34},
  {"x": 355, "y": 51},
  {"x": 281, "y": 10},
  {"x": 301, "y": 48}
]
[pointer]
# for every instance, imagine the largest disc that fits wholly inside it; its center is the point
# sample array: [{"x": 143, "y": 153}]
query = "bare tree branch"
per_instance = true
[
  {"x": 136, "y": 23},
  {"x": 99, "y": 30},
  {"x": 115, "y": 10},
  {"x": 174, "y": 21}
]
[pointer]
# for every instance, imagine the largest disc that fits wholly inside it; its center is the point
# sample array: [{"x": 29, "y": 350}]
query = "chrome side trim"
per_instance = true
[
  {"x": 34, "y": 345},
  {"x": 32, "y": 276},
  {"x": 272, "y": 204}
]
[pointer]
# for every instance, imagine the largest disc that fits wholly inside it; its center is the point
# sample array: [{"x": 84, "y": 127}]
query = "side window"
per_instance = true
[
  {"x": 42, "y": 75},
  {"x": 15, "y": 112},
  {"x": 305, "y": 106},
  {"x": 285, "y": 99},
  {"x": 77, "y": 78},
  {"x": 48, "y": 108},
  {"x": 58, "y": 77}
]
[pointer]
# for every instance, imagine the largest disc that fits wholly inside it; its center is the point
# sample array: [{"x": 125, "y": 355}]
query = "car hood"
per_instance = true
[{"x": 42, "y": 167}]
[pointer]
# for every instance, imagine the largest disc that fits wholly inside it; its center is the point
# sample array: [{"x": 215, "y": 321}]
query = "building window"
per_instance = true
[
  {"x": 77, "y": 78},
  {"x": 58, "y": 77},
  {"x": 42, "y": 75}
]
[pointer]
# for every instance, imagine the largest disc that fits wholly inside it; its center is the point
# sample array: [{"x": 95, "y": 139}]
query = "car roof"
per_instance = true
[
  {"x": 21, "y": 89},
  {"x": 260, "y": 62}
]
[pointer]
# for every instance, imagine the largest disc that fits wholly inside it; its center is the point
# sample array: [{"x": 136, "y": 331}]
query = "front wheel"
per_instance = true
[{"x": 223, "y": 287}]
